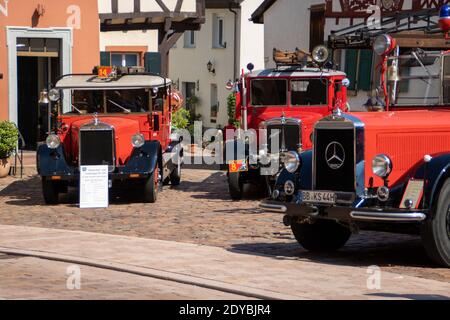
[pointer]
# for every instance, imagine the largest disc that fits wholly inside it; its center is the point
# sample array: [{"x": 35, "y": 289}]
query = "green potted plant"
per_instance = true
[{"x": 8, "y": 142}]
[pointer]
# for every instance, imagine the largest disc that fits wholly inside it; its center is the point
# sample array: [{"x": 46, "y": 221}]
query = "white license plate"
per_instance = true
[{"x": 318, "y": 197}]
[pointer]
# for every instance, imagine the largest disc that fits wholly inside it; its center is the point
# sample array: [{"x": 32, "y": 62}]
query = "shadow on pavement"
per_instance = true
[
  {"x": 364, "y": 250},
  {"x": 409, "y": 296}
]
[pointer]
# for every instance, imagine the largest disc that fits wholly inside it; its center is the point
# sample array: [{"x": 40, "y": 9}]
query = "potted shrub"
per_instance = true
[{"x": 8, "y": 142}]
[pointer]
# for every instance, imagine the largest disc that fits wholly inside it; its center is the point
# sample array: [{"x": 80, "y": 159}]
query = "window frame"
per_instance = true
[
  {"x": 286, "y": 80},
  {"x": 190, "y": 39},
  {"x": 219, "y": 32},
  {"x": 124, "y": 54}
]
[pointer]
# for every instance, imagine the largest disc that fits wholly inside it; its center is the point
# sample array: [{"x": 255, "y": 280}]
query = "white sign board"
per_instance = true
[{"x": 94, "y": 187}]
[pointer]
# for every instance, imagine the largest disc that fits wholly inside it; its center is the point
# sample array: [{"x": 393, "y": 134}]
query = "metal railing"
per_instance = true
[{"x": 18, "y": 154}]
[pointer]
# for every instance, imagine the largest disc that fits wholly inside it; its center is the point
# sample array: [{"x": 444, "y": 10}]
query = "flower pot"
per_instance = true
[{"x": 5, "y": 166}]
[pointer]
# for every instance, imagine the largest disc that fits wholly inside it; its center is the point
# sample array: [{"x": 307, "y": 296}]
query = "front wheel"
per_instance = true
[
  {"x": 436, "y": 230},
  {"x": 235, "y": 185},
  {"x": 151, "y": 187},
  {"x": 50, "y": 191},
  {"x": 321, "y": 236}
]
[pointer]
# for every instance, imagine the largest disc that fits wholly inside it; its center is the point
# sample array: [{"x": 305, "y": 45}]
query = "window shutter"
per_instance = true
[
  {"x": 365, "y": 70},
  {"x": 153, "y": 62},
  {"x": 351, "y": 58},
  {"x": 105, "y": 58}
]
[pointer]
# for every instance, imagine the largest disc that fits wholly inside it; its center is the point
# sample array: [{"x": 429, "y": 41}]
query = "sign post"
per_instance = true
[{"x": 94, "y": 187}]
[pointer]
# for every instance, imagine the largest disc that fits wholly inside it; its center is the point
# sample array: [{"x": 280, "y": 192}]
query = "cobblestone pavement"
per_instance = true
[
  {"x": 33, "y": 278},
  {"x": 200, "y": 211}
]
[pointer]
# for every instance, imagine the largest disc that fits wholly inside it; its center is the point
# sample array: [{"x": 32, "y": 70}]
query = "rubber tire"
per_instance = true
[
  {"x": 50, "y": 191},
  {"x": 435, "y": 238},
  {"x": 175, "y": 179},
  {"x": 151, "y": 188},
  {"x": 321, "y": 236},
  {"x": 235, "y": 186}
]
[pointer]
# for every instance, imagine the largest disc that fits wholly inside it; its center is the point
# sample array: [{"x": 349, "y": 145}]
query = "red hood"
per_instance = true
[
  {"x": 405, "y": 136},
  {"x": 124, "y": 129}
]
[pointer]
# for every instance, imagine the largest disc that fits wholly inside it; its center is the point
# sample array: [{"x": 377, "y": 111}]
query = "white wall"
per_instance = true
[
  {"x": 286, "y": 26},
  {"x": 130, "y": 38},
  {"x": 251, "y": 37},
  {"x": 189, "y": 65}
]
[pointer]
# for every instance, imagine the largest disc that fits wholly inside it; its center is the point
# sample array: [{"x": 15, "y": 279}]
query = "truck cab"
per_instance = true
[
  {"x": 115, "y": 117},
  {"x": 282, "y": 105}
]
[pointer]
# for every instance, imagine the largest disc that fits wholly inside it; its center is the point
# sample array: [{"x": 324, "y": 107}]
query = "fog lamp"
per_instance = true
[
  {"x": 291, "y": 161},
  {"x": 54, "y": 95},
  {"x": 382, "y": 166},
  {"x": 383, "y": 44},
  {"x": 138, "y": 140},
  {"x": 383, "y": 194},
  {"x": 53, "y": 141},
  {"x": 289, "y": 188}
]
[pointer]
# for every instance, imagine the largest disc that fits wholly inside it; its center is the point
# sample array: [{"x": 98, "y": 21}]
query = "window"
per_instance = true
[
  {"x": 124, "y": 59},
  {"x": 219, "y": 32},
  {"x": 214, "y": 103},
  {"x": 269, "y": 92},
  {"x": 446, "y": 83},
  {"x": 313, "y": 92},
  {"x": 189, "y": 39},
  {"x": 189, "y": 94}
]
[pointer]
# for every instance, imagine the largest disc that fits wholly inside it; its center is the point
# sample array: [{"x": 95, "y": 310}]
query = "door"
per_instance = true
[{"x": 317, "y": 26}]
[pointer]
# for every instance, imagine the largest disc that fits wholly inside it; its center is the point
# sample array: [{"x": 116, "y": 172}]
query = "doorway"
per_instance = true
[
  {"x": 38, "y": 66},
  {"x": 317, "y": 26}
]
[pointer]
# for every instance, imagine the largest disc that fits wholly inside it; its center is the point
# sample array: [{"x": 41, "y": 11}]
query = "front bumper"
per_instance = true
[{"x": 344, "y": 213}]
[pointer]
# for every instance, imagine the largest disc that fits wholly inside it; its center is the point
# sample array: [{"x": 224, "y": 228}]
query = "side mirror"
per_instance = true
[{"x": 346, "y": 82}]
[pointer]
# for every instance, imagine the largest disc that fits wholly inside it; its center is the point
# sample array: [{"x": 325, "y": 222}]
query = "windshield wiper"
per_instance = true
[
  {"x": 76, "y": 109},
  {"x": 119, "y": 106}
]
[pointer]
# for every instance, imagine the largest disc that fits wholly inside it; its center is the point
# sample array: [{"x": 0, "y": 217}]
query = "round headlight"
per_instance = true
[
  {"x": 382, "y": 166},
  {"x": 138, "y": 140},
  {"x": 53, "y": 141},
  {"x": 383, "y": 44},
  {"x": 289, "y": 188},
  {"x": 54, "y": 95},
  {"x": 320, "y": 54},
  {"x": 291, "y": 161}
]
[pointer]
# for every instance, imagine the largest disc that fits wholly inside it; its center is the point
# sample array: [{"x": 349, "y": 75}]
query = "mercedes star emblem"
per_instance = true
[{"x": 335, "y": 155}]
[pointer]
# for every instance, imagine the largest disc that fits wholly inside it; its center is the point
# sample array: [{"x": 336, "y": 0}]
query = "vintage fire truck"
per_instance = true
[
  {"x": 284, "y": 102},
  {"x": 382, "y": 171},
  {"x": 119, "y": 117}
]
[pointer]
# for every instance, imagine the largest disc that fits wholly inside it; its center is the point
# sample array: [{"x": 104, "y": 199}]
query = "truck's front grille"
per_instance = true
[
  {"x": 334, "y": 160},
  {"x": 97, "y": 147},
  {"x": 288, "y": 136}
]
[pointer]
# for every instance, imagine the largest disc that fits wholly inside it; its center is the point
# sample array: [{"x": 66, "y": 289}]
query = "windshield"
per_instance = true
[
  {"x": 312, "y": 92},
  {"x": 447, "y": 80},
  {"x": 419, "y": 79},
  {"x": 111, "y": 101},
  {"x": 269, "y": 92}
]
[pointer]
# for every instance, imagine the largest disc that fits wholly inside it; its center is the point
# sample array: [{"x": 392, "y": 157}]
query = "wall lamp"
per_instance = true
[{"x": 211, "y": 68}]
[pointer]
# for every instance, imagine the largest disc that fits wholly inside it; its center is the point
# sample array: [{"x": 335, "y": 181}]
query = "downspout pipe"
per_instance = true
[{"x": 230, "y": 8}]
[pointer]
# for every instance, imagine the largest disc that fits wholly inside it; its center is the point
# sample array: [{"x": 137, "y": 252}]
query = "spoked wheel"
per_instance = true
[
  {"x": 436, "y": 230},
  {"x": 50, "y": 191},
  {"x": 151, "y": 187},
  {"x": 321, "y": 236},
  {"x": 235, "y": 185}
]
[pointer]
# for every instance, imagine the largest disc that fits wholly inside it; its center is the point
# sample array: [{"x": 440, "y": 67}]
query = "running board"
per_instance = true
[{"x": 388, "y": 216}]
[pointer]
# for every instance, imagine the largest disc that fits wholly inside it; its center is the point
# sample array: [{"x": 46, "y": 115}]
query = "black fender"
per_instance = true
[
  {"x": 303, "y": 176},
  {"x": 144, "y": 159},
  {"x": 52, "y": 162},
  {"x": 436, "y": 172}
]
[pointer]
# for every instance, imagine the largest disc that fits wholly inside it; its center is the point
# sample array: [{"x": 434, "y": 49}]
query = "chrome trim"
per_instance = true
[
  {"x": 388, "y": 216},
  {"x": 96, "y": 125},
  {"x": 273, "y": 208},
  {"x": 283, "y": 121}
]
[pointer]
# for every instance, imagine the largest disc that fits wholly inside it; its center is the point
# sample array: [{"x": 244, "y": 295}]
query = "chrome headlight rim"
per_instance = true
[
  {"x": 138, "y": 140},
  {"x": 53, "y": 141},
  {"x": 383, "y": 44},
  {"x": 289, "y": 188},
  {"x": 54, "y": 95},
  {"x": 382, "y": 166},
  {"x": 291, "y": 161}
]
